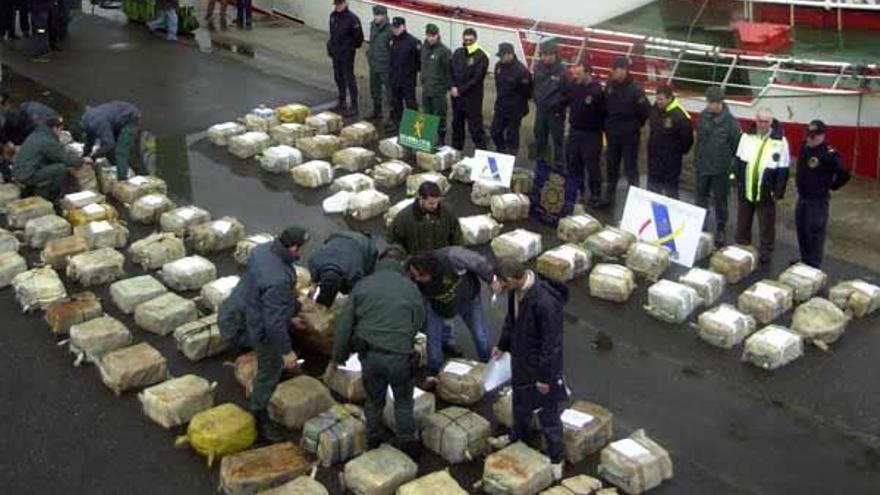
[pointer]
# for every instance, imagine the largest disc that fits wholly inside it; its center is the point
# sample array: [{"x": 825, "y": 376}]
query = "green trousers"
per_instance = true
[
  {"x": 120, "y": 157},
  {"x": 49, "y": 181},
  {"x": 380, "y": 371},
  {"x": 270, "y": 365},
  {"x": 549, "y": 126},
  {"x": 436, "y": 105},
  {"x": 379, "y": 88},
  {"x": 717, "y": 186}
]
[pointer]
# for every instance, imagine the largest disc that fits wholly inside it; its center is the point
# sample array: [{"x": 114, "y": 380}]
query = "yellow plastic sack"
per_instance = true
[
  {"x": 94, "y": 212},
  {"x": 293, "y": 113},
  {"x": 219, "y": 431}
]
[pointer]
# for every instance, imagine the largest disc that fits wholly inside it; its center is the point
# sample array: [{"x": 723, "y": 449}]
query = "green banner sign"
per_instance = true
[{"x": 418, "y": 130}]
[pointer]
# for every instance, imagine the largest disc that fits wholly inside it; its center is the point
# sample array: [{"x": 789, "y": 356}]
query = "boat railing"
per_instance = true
[{"x": 826, "y": 4}]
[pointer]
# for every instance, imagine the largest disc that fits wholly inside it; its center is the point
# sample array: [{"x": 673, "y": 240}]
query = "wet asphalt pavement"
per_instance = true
[{"x": 811, "y": 427}]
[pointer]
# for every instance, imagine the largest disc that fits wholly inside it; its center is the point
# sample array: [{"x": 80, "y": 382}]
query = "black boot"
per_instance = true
[
  {"x": 269, "y": 431},
  {"x": 720, "y": 238},
  {"x": 377, "y": 113},
  {"x": 351, "y": 111}
]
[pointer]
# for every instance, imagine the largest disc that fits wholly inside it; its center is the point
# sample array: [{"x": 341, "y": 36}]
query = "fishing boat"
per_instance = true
[{"x": 826, "y": 14}]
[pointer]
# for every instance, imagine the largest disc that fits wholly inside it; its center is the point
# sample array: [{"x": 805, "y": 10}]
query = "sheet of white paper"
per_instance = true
[
  {"x": 457, "y": 368},
  {"x": 353, "y": 364},
  {"x": 575, "y": 418},
  {"x": 338, "y": 203},
  {"x": 102, "y": 226},
  {"x": 630, "y": 448},
  {"x": 497, "y": 373}
]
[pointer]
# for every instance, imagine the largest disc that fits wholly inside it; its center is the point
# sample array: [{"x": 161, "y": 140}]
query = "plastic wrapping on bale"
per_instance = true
[
  {"x": 57, "y": 251},
  {"x": 8, "y": 242},
  {"x": 97, "y": 267},
  {"x": 318, "y": 335},
  {"x": 460, "y": 382},
  {"x": 297, "y": 400},
  {"x": 648, "y": 260},
  {"x": 521, "y": 180},
  {"x": 84, "y": 179},
  {"x": 336, "y": 435},
  {"x": 163, "y": 314},
  {"x": 709, "y": 285},
  {"x": 280, "y": 159},
  {"x": 479, "y": 229},
  {"x": 672, "y": 302},
  {"x": 395, "y": 209},
  {"x": 439, "y": 161},
  {"x": 359, "y": 134},
  {"x": 133, "y": 367},
  {"x": 482, "y": 192},
  {"x": 352, "y": 183},
  {"x": 805, "y": 280},
  {"x": 462, "y": 171},
  {"x": 521, "y": 245},
  {"x": 577, "y": 228},
  {"x": 325, "y": 123},
  {"x": 564, "y": 263},
  {"x": 94, "y": 212},
  {"x": 93, "y": 338},
  {"x": 704, "y": 246},
  {"x": 20, "y": 211},
  {"x": 856, "y": 296},
  {"x": 39, "y": 231},
  {"x": 725, "y": 326},
  {"x": 130, "y": 190},
  {"x": 424, "y": 405},
  {"x": 219, "y": 134},
  {"x": 734, "y": 262},
  {"x": 456, "y": 434},
  {"x": 289, "y": 133},
  {"x": 367, "y": 204},
  {"x": 174, "y": 402},
  {"x": 245, "y": 246},
  {"x": 435, "y": 483},
  {"x": 189, "y": 273},
  {"x": 413, "y": 182},
  {"x": 587, "y": 428},
  {"x": 76, "y": 309},
  {"x": 391, "y": 174},
  {"x": 107, "y": 179},
  {"x": 766, "y": 300},
  {"x": 378, "y": 472},
  {"x": 249, "y": 144},
  {"x": 103, "y": 234},
  {"x": 220, "y": 431},
  {"x": 347, "y": 383},
  {"x": 178, "y": 220},
  {"x": 36, "y": 288},
  {"x": 772, "y": 347},
  {"x": 613, "y": 283},
  {"x": 354, "y": 159},
  {"x": 609, "y": 243},
  {"x": 516, "y": 470},
  {"x": 156, "y": 250},
  {"x": 215, "y": 236},
  {"x": 819, "y": 321},
  {"x": 579, "y": 485},
  {"x": 293, "y": 113},
  {"x": 313, "y": 174},
  {"x": 260, "y": 119},
  {"x": 635, "y": 464},
  {"x": 80, "y": 199},
  {"x": 304, "y": 485},
  {"x": 8, "y": 193},
  {"x": 200, "y": 338},
  {"x": 510, "y": 207},
  {"x": 129, "y": 293},
  {"x": 11, "y": 265},
  {"x": 253, "y": 471},
  {"x": 214, "y": 293},
  {"x": 147, "y": 209},
  {"x": 390, "y": 148}
]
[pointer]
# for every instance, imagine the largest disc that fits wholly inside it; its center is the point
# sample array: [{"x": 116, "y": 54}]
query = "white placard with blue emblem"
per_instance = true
[
  {"x": 661, "y": 220},
  {"x": 494, "y": 168}
]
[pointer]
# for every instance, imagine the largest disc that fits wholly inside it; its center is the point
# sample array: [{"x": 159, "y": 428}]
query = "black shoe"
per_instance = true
[
  {"x": 452, "y": 351},
  {"x": 720, "y": 239},
  {"x": 269, "y": 431},
  {"x": 373, "y": 443},
  {"x": 339, "y": 108},
  {"x": 765, "y": 259},
  {"x": 412, "y": 448},
  {"x": 351, "y": 111}
]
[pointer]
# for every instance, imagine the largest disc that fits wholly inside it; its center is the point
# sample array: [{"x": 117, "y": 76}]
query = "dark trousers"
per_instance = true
[
  {"x": 40, "y": 39},
  {"x": 505, "y": 131},
  {"x": 549, "y": 125},
  {"x": 270, "y": 365},
  {"x": 379, "y": 88},
  {"x": 6, "y": 169},
  {"x": 584, "y": 152},
  {"x": 61, "y": 19},
  {"x": 436, "y": 105},
  {"x": 718, "y": 186},
  {"x": 7, "y": 19},
  {"x": 766, "y": 211},
  {"x": 468, "y": 110},
  {"x": 811, "y": 219},
  {"x": 50, "y": 181},
  {"x": 402, "y": 94},
  {"x": 24, "y": 19},
  {"x": 343, "y": 74},
  {"x": 665, "y": 181},
  {"x": 245, "y": 12},
  {"x": 381, "y": 370},
  {"x": 628, "y": 153},
  {"x": 527, "y": 399}
]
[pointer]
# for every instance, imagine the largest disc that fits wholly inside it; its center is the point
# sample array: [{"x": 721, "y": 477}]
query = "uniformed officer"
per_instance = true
[
  {"x": 470, "y": 63},
  {"x": 586, "y": 101},
  {"x": 672, "y": 136},
  {"x": 346, "y": 36},
  {"x": 406, "y": 51},
  {"x": 820, "y": 170},
  {"x": 116, "y": 125},
  {"x": 627, "y": 112},
  {"x": 550, "y": 79},
  {"x": 436, "y": 60},
  {"x": 43, "y": 163},
  {"x": 379, "y": 57},
  {"x": 379, "y": 321},
  {"x": 340, "y": 263},
  {"x": 513, "y": 88}
]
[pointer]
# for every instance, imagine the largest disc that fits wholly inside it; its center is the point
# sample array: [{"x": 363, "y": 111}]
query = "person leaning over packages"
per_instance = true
[
  {"x": 436, "y": 59},
  {"x": 470, "y": 63},
  {"x": 406, "y": 50},
  {"x": 340, "y": 263},
  {"x": 450, "y": 279},
  {"x": 627, "y": 112},
  {"x": 532, "y": 334},
  {"x": 43, "y": 163},
  {"x": 379, "y": 321},
  {"x": 820, "y": 170},
  {"x": 672, "y": 136},
  {"x": 586, "y": 101},
  {"x": 267, "y": 291},
  {"x": 718, "y": 136},
  {"x": 379, "y": 57},
  {"x": 762, "y": 171},
  {"x": 426, "y": 224},
  {"x": 166, "y": 11},
  {"x": 346, "y": 36},
  {"x": 550, "y": 81},
  {"x": 116, "y": 125},
  {"x": 513, "y": 88},
  {"x": 17, "y": 124}
]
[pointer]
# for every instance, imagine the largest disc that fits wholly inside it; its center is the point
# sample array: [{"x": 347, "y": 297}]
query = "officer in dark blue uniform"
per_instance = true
[
  {"x": 346, "y": 36},
  {"x": 628, "y": 110},
  {"x": 586, "y": 101},
  {"x": 513, "y": 88},
  {"x": 820, "y": 170},
  {"x": 404, "y": 66}
]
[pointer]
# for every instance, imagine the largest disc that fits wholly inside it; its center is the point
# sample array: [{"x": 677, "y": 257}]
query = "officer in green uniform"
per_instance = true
[
  {"x": 435, "y": 77},
  {"x": 379, "y": 55},
  {"x": 43, "y": 162},
  {"x": 379, "y": 322}
]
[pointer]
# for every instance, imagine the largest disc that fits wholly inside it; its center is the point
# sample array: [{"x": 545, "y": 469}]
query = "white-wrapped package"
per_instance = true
[
  {"x": 141, "y": 185},
  {"x": 174, "y": 402},
  {"x": 635, "y": 464},
  {"x": 709, "y": 285},
  {"x": 11, "y": 264},
  {"x": 8, "y": 242},
  {"x": 391, "y": 174},
  {"x": 725, "y": 326},
  {"x": 214, "y": 293},
  {"x": 289, "y": 133},
  {"x": 244, "y": 247},
  {"x": 178, "y": 220},
  {"x": 521, "y": 245},
  {"x": 463, "y": 171},
  {"x": 856, "y": 296},
  {"x": 414, "y": 181},
  {"x": 147, "y": 209},
  {"x": 103, "y": 234},
  {"x": 734, "y": 262},
  {"x": 390, "y": 148},
  {"x": 280, "y": 159},
  {"x": 439, "y": 161},
  {"x": 249, "y": 144},
  {"x": 359, "y": 134},
  {"x": 819, "y": 322},
  {"x": 354, "y": 159},
  {"x": 80, "y": 199},
  {"x": 39, "y": 231},
  {"x": 510, "y": 207},
  {"x": 613, "y": 283},
  {"x": 482, "y": 192},
  {"x": 805, "y": 280},
  {"x": 766, "y": 300},
  {"x": 368, "y": 204},
  {"x": 189, "y": 273},
  {"x": 219, "y": 134},
  {"x": 704, "y": 247},
  {"x": 313, "y": 174},
  {"x": 565, "y": 262},
  {"x": 577, "y": 228},
  {"x": 772, "y": 347},
  {"x": 479, "y": 229},
  {"x": 96, "y": 267},
  {"x": 215, "y": 236},
  {"x": 156, "y": 250},
  {"x": 352, "y": 183},
  {"x": 671, "y": 302},
  {"x": 325, "y": 123},
  {"x": 648, "y": 260},
  {"x": 261, "y": 119},
  {"x": 610, "y": 243},
  {"x": 396, "y": 208}
]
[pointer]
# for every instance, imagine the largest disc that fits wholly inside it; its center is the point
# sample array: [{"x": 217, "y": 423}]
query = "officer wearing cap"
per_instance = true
[
  {"x": 550, "y": 79},
  {"x": 672, "y": 136},
  {"x": 470, "y": 64},
  {"x": 820, "y": 170},
  {"x": 628, "y": 110},
  {"x": 436, "y": 60},
  {"x": 379, "y": 57},
  {"x": 513, "y": 88},
  {"x": 405, "y": 64},
  {"x": 585, "y": 97},
  {"x": 346, "y": 36}
]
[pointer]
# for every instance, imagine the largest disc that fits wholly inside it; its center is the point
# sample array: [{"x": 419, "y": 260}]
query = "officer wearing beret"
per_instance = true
[
  {"x": 820, "y": 171},
  {"x": 405, "y": 64},
  {"x": 513, "y": 88}
]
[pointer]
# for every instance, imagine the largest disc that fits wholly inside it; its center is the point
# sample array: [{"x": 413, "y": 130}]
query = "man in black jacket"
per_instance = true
[
  {"x": 550, "y": 80},
  {"x": 405, "y": 63},
  {"x": 470, "y": 63},
  {"x": 627, "y": 112},
  {"x": 532, "y": 333},
  {"x": 344, "y": 259},
  {"x": 346, "y": 36},
  {"x": 672, "y": 136},
  {"x": 513, "y": 88},
  {"x": 586, "y": 100}
]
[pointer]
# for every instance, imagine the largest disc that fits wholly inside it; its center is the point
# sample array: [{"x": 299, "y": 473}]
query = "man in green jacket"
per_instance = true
[
  {"x": 44, "y": 163},
  {"x": 435, "y": 77},
  {"x": 379, "y": 56},
  {"x": 379, "y": 322},
  {"x": 427, "y": 224},
  {"x": 718, "y": 135}
]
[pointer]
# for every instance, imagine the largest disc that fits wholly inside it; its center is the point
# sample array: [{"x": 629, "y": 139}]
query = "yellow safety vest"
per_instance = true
[
  {"x": 761, "y": 154},
  {"x": 672, "y": 105}
]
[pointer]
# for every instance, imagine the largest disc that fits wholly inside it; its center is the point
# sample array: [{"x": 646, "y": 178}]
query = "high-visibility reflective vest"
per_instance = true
[{"x": 764, "y": 156}]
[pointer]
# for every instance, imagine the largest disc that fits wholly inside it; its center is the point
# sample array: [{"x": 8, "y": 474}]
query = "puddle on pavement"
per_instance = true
[{"x": 205, "y": 39}]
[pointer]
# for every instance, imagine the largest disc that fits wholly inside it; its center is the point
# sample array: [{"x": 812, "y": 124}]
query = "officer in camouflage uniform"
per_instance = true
[{"x": 435, "y": 78}]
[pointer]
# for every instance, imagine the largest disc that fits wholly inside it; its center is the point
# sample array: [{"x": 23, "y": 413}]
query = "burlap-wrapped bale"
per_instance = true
[
  {"x": 189, "y": 273},
  {"x": 215, "y": 236},
  {"x": 704, "y": 247},
  {"x": 214, "y": 293},
  {"x": 298, "y": 400},
  {"x": 253, "y": 471},
  {"x": 819, "y": 321},
  {"x": 462, "y": 171},
  {"x": 346, "y": 380},
  {"x": 708, "y": 284},
  {"x": 292, "y": 113},
  {"x": 178, "y": 220},
  {"x": 671, "y": 302},
  {"x": 280, "y": 159},
  {"x": 435, "y": 483},
  {"x": 734, "y": 262},
  {"x": 613, "y": 283},
  {"x": 390, "y": 148},
  {"x": 163, "y": 314},
  {"x": 249, "y": 144},
  {"x": 522, "y": 180},
  {"x": 565, "y": 262},
  {"x": 579, "y": 485},
  {"x": 577, "y": 228},
  {"x": 245, "y": 246},
  {"x": 725, "y": 326},
  {"x": 521, "y": 245},
  {"x": 805, "y": 280},
  {"x": 260, "y": 119},
  {"x": 479, "y": 229},
  {"x": 424, "y": 405},
  {"x": 354, "y": 159},
  {"x": 174, "y": 402},
  {"x": 318, "y": 335},
  {"x": 57, "y": 251},
  {"x": 313, "y": 174},
  {"x": 353, "y": 183},
  {"x": 93, "y": 338},
  {"x": 80, "y": 199},
  {"x": 321, "y": 147},
  {"x": 8, "y": 193},
  {"x": 413, "y": 182},
  {"x": 772, "y": 347},
  {"x": 103, "y": 234},
  {"x": 36, "y": 288},
  {"x": 456, "y": 434},
  {"x": 367, "y": 204},
  {"x": 304, "y": 485},
  {"x": 359, "y": 134},
  {"x": 336, "y": 435},
  {"x": 147, "y": 209},
  {"x": 378, "y": 472},
  {"x": 8, "y": 242},
  {"x": 21, "y": 211},
  {"x": 587, "y": 428},
  {"x": 325, "y": 123},
  {"x": 39, "y": 231},
  {"x": 391, "y": 174},
  {"x": 133, "y": 367},
  {"x": 460, "y": 382},
  {"x": 245, "y": 369},
  {"x": 107, "y": 177},
  {"x": 97, "y": 267},
  {"x": 130, "y": 190},
  {"x": 94, "y": 212},
  {"x": 766, "y": 300},
  {"x": 396, "y": 208},
  {"x": 648, "y": 260},
  {"x": 635, "y": 464},
  {"x": 200, "y": 339},
  {"x": 11, "y": 265},
  {"x": 129, "y": 293},
  {"x": 516, "y": 470},
  {"x": 510, "y": 207},
  {"x": 289, "y": 133},
  {"x": 73, "y": 310},
  {"x": 156, "y": 250},
  {"x": 219, "y": 134},
  {"x": 610, "y": 243},
  {"x": 856, "y": 296},
  {"x": 482, "y": 192},
  {"x": 439, "y": 161}
]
